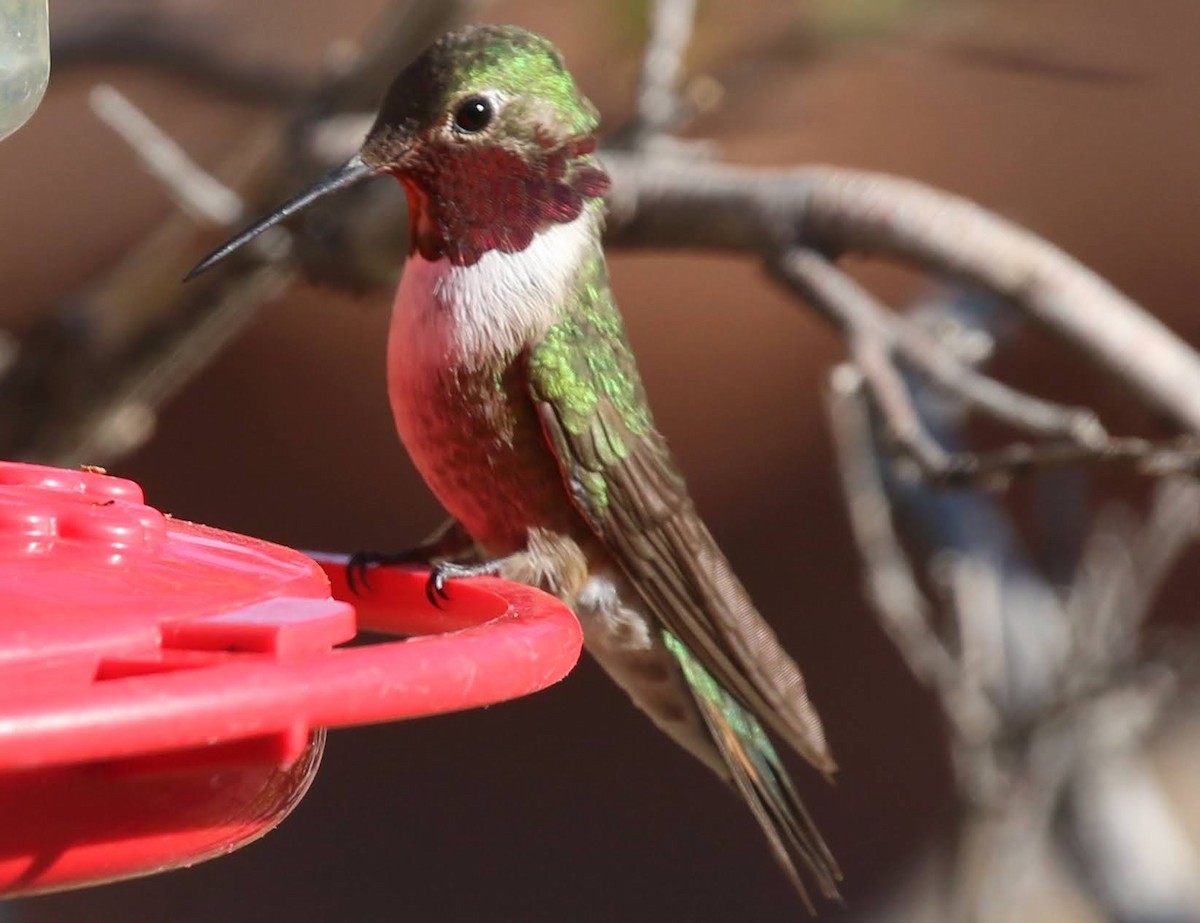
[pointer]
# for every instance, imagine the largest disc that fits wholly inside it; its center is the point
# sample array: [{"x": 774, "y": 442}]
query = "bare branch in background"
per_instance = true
[
  {"x": 1144, "y": 456},
  {"x": 762, "y": 212},
  {"x": 853, "y": 309},
  {"x": 665, "y": 100},
  {"x": 86, "y": 382},
  {"x": 198, "y": 193},
  {"x": 659, "y": 106},
  {"x": 877, "y": 339},
  {"x": 891, "y": 584},
  {"x": 1047, "y": 698}
]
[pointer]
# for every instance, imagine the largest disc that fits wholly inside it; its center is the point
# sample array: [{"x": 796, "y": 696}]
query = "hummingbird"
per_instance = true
[{"x": 515, "y": 391}]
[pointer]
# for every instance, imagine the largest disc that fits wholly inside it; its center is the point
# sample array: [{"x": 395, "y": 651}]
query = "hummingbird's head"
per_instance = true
[{"x": 491, "y": 139}]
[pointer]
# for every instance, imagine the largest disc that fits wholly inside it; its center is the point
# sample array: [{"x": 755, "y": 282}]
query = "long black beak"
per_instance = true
[{"x": 351, "y": 172}]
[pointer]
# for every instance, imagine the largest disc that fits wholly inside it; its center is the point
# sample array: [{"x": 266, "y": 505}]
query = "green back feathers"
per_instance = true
[
  {"x": 585, "y": 358},
  {"x": 584, "y": 368}
]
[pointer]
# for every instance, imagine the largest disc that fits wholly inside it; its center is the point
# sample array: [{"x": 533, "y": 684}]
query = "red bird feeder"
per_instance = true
[{"x": 164, "y": 686}]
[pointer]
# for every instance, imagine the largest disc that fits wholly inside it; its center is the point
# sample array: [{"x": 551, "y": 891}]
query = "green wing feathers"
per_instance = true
[
  {"x": 594, "y": 413},
  {"x": 617, "y": 467}
]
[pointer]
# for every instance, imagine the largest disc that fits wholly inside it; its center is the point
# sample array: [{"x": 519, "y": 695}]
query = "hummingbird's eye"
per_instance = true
[{"x": 473, "y": 115}]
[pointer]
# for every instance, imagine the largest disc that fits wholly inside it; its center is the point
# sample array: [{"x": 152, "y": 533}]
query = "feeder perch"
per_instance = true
[{"x": 165, "y": 686}]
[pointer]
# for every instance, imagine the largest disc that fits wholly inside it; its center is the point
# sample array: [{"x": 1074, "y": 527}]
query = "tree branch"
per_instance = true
[
  {"x": 711, "y": 206},
  {"x": 876, "y": 335}
]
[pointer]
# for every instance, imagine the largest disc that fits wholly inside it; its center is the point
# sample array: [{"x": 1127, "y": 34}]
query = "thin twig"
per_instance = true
[
  {"x": 892, "y": 586},
  {"x": 859, "y": 315},
  {"x": 198, "y": 193},
  {"x": 1122, "y": 571},
  {"x": 658, "y": 103},
  {"x": 1171, "y": 528},
  {"x": 1157, "y": 459},
  {"x": 874, "y": 334}
]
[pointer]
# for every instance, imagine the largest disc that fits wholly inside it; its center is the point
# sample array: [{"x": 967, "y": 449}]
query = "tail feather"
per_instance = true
[{"x": 759, "y": 777}]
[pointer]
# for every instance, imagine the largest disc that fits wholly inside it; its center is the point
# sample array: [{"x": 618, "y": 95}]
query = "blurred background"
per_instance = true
[{"x": 1074, "y": 117}]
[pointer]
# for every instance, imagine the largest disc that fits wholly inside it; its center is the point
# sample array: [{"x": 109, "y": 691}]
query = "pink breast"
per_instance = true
[{"x": 478, "y": 444}]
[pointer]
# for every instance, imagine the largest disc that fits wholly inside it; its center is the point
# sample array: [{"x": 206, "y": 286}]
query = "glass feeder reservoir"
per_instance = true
[{"x": 24, "y": 60}]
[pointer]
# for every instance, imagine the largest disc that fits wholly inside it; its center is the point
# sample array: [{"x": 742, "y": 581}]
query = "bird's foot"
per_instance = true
[
  {"x": 361, "y": 563},
  {"x": 435, "y": 586}
]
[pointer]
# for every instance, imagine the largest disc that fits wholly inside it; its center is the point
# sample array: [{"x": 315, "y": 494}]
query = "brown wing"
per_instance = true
[{"x": 625, "y": 483}]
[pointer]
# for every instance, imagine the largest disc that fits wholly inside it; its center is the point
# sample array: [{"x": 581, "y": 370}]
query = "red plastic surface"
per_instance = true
[{"x": 161, "y": 682}]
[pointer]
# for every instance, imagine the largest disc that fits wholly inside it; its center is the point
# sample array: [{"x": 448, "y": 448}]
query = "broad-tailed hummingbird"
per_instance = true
[{"x": 515, "y": 392}]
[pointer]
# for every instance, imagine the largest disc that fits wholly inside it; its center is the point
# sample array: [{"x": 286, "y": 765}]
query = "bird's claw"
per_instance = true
[
  {"x": 440, "y": 574},
  {"x": 357, "y": 569},
  {"x": 358, "y": 566},
  {"x": 435, "y": 586}
]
